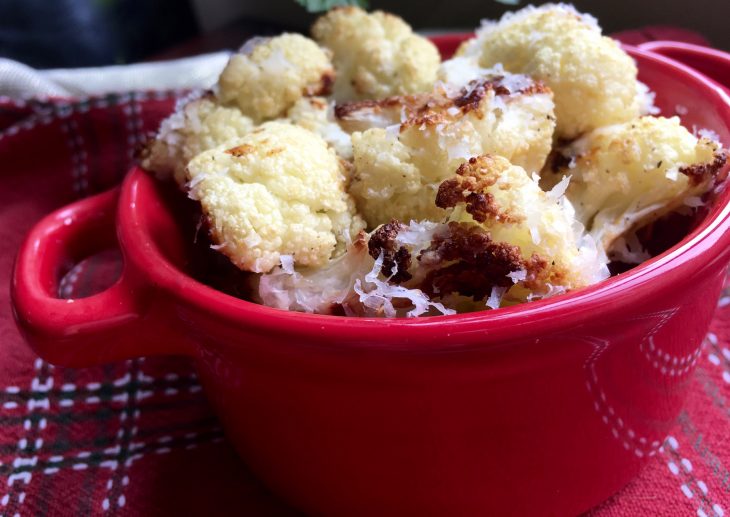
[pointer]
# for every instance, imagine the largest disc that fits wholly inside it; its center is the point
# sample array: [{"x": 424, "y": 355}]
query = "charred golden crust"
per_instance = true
[
  {"x": 240, "y": 150},
  {"x": 481, "y": 206},
  {"x": 536, "y": 88},
  {"x": 431, "y": 118},
  {"x": 434, "y": 108},
  {"x": 537, "y": 273},
  {"x": 382, "y": 241},
  {"x": 402, "y": 260},
  {"x": 345, "y": 109},
  {"x": 476, "y": 262},
  {"x": 468, "y": 186},
  {"x": 701, "y": 172},
  {"x": 472, "y": 96},
  {"x": 413, "y": 104}
]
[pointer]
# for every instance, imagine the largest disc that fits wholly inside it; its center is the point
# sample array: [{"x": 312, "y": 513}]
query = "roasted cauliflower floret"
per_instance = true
[
  {"x": 317, "y": 114},
  {"x": 375, "y": 55},
  {"x": 626, "y": 175},
  {"x": 194, "y": 127},
  {"x": 526, "y": 222},
  {"x": 268, "y": 75},
  {"x": 504, "y": 241},
  {"x": 398, "y": 169},
  {"x": 593, "y": 79},
  {"x": 396, "y": 179},
  {"x": 278, "y": 190}
]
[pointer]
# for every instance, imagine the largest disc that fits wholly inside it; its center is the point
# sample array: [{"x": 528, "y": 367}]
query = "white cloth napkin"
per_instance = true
[{"x": 21, "y": 81}]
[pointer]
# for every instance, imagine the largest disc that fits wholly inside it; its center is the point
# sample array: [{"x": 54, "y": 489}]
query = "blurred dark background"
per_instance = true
[{"x": 72, "y": 33}]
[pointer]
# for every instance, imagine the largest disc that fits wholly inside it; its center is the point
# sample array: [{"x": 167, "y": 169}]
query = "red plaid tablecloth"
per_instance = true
[{"x": 137, "y": 438}]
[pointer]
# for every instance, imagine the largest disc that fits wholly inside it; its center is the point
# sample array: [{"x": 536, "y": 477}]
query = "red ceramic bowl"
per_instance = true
[
  {"x": 713, "y": 63},
  {"x": 544, "y": 408}
]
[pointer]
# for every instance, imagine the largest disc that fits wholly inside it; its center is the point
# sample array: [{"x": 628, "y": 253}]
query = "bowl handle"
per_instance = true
[
  {"x": 710, "y": 62},
  {"x": 129, "y": 319}
]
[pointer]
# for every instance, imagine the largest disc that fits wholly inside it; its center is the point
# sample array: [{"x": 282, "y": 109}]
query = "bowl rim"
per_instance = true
[{"x": 566, "y": 313}]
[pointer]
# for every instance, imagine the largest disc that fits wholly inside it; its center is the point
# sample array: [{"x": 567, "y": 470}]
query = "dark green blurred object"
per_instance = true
[{"x": 318, "y": 6}]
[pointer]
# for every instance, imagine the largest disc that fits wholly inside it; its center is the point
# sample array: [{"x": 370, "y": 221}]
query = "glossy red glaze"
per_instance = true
[
  {"x": 544, "y": 408},
  {"x": 713, "y": 63}
]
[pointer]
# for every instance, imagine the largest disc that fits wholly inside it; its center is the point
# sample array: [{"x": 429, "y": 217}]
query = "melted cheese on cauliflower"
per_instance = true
[
  {"x": 627, "y": 175},
  {"x": 506, "y": 202},
  {"x": 194, "y": 127},
  {"x": 505, "y": 241},
  {"x": 278, "y": 190},
  {"x": 268, "y": 75},
  {"x": 593, "y": 79},
  {"x": 278, "y": 167},
  {"x": 398, "y": 169},
  {"x": 376, "y": 54}
]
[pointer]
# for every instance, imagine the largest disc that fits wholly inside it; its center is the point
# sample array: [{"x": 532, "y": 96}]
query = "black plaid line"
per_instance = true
[
  {"x": 105, "y": 392},
  {"x": 79, "y": 157},
  {"x": 66, "y": 446},
  {"x": 102, "y": 101},
  {"x": 81, "y": 104},
  {"x": 119, "y": 452},
  {"x": 100, "y": 413},
  {"x": 96, "y": 459},
  {"x": 185, "y": 390}
]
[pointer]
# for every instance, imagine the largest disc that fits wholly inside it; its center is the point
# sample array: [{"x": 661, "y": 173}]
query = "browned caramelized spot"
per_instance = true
[
  {"x": 412, "y": 104},
  {"x": 535, "y": 88},
  {"x": 430, "y": 109},
  {"x": 275, "y": 150},
  {"x": 468, "y": 186},
  {"x": 395, "y": 258},
  {"x": 324, "y": 87},
  {"x": 317, "y": 103},
  {"x": 700, "y": 172},
  {"x": 345, "y": 109},
  {"x": 471, "y": 96},
  {"x": 537, "y": 271},
  {"x": 240, "y": 150},
  {"x": 430, "y": 118},
  {"x": 476, "y": 262}
]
